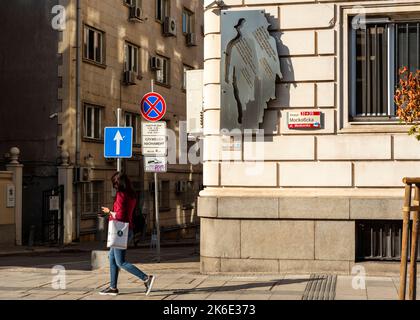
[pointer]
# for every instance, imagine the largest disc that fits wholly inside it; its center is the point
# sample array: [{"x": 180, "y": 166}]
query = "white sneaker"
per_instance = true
[{"x": 149, "y": 284}]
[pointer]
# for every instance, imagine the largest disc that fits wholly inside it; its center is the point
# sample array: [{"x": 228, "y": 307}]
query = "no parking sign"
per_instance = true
[{"x": 153, "y": 106}]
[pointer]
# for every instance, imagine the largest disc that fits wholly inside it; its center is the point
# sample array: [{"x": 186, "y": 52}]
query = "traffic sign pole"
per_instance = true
[
  {"x": 118, "y": 142},
  {"x": 156, "y": 203}
]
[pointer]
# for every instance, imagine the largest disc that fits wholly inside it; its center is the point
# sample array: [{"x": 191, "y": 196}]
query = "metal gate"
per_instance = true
[{"x": 53, "y": 216}]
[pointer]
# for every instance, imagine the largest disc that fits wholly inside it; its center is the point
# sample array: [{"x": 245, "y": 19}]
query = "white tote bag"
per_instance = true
[{"x": 117, "y": 234}]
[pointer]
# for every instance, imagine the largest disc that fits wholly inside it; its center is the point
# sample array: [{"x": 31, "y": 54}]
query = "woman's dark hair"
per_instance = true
[{"x": 122, "y": 183}]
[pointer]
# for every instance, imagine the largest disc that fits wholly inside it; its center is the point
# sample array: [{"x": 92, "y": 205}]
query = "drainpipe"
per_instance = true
[{"x": 78, "y": 113}]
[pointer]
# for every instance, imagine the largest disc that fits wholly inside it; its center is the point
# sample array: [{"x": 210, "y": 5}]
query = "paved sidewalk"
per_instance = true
[{"x": 178, "y": 278}]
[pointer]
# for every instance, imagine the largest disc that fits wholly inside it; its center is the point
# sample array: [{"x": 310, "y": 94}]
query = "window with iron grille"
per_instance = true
[
  {"x": 93, "y": 45},
  {"x": 92, "y": 197},
  {"x": 378, "y": 49},
  {"x": 380, "y": 240}
]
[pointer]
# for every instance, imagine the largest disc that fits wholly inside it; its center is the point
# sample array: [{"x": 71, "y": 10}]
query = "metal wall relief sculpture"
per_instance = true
[{"x": 249, "y": 68}]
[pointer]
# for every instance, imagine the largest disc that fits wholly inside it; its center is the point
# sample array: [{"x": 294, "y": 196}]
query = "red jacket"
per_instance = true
[{"x": 124, "y": 208}]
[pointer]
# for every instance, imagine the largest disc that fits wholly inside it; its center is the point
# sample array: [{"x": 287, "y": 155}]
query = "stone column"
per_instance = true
[
  {"x": 17, "y": 169},
  {"x": 65, "y": 178}
]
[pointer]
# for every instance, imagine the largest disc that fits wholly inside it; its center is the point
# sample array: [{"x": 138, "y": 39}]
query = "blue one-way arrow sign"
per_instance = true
[{"x": 118, "y": 142}]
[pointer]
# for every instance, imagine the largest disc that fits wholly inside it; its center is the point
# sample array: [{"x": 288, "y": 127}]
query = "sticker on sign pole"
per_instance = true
[{"x": 153, "y": 106}]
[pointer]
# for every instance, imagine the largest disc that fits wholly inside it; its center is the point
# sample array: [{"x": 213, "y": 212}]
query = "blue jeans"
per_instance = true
[{"x": 117, "y": 262}]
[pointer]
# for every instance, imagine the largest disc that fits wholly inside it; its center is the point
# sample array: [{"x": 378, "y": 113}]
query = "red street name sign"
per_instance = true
[{"x": 304, "y": 120}]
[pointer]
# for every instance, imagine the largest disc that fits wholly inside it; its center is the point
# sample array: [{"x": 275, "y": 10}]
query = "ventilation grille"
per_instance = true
[{"x": 380, "y": 240}]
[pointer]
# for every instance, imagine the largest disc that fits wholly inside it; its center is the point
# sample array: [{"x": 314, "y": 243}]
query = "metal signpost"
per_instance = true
[
  {"x": 118, "y": 142},
  {"x": 154, "y": 146}
]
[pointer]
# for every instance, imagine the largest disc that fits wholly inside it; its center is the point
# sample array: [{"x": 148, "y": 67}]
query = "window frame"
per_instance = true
[
  {"x": 128, "y": 44},
  {"x": 390, "y": 117},
  {"x": 162, "y": 10},
  {"x": 85, "y": 124},
  {"x": 167, "y": 73},
  {"x": 344, "y": 123},
  {"x": 190, "y": 27},
  {"x": 90, "y": 186},
  {"x": 85, "y": 50}
]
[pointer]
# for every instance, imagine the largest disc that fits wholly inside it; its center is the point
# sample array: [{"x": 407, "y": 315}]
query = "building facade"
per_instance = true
[
  {"x": 103, "y": 55},
  {"x": 321, "y": 199}
]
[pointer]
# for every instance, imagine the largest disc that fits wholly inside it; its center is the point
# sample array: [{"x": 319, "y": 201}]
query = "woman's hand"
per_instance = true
[{"x": 105, "y": 210}]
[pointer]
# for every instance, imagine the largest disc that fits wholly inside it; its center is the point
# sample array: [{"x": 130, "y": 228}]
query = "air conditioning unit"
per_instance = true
[
  {"x": 180, "y": 186},
  {"x": 155, "y": 63},
  {"x": 129, "y": 77},
  {"x": 82, "y": 174},
  {"x": 135, "y": 11},
  {"x": 191, "y": 39},
  {"x": 169, "y": 27}
]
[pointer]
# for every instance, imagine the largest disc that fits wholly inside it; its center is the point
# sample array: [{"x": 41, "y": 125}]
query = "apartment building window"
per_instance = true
[
  {"x": 92, "y": 197},
  {"x": 187, "y": 21},
  {"x": 93, "y": 45},
  {"x": 184, "y": 76},
  {"x": 93, "y": 122},
  {"x": 377, "y": 52},
  {"x": 133, "y": 120},
  {"x": 162, "y": 10},
  {"x": 162, "y": 75},
  {"x": 131, "y": 57}
]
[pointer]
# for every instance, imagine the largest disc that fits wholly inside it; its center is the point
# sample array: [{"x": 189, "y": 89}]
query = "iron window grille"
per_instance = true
[
  {"x": 378, "y": 49},
  {"x": 380, "y": 240},
  {"x": 92, "y": 197}
]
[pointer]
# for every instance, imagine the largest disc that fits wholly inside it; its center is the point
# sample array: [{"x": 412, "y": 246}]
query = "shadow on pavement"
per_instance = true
[{"x": 226, "y": 288}]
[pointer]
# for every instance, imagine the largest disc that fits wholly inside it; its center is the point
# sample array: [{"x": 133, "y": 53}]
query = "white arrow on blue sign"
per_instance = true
[{"x": 118, "y": 142}]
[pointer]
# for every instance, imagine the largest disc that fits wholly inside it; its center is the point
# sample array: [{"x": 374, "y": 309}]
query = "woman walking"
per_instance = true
[{"x": 124, "y": 204}]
